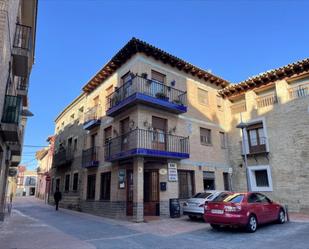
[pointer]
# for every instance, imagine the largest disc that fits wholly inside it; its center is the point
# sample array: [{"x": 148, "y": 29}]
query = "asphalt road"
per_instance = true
[{"x": 36, "y": 225}]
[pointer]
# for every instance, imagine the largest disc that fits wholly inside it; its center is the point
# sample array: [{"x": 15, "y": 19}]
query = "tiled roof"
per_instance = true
[
  {"x": 267, "y": 77},
  {"x": 137, "y": 46}
]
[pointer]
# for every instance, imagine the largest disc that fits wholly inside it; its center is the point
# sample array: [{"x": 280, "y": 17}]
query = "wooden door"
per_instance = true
[
  {"x": 124, "y": 129},
  {"x": 151, "y": 193},
  {"x": 159, "y": 133},
  {"x": 129, "y": 192}
]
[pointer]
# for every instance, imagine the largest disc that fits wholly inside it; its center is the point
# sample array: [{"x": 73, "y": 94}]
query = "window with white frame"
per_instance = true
[{"x": 260, "y": 178}]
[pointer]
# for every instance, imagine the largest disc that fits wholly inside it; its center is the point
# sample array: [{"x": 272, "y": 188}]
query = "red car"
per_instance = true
[{"x": 243, "y": 209}]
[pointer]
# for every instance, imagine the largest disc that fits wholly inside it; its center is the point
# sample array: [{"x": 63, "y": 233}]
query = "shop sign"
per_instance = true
[
  {"x": 121, "y": 178},
  {"x": 172, "y": 172}
]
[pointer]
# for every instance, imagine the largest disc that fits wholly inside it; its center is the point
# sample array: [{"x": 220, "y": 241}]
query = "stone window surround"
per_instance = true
[{"x": 252, "y": 181}]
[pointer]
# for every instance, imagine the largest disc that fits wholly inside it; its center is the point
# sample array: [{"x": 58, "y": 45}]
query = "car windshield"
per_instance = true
[
  {"x": 235, "y": 198},
  {"x": 221, "y": 197},
  {"x": 201, "y": 195}
]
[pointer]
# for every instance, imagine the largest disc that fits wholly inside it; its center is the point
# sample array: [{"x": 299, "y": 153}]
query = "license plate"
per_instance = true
[
  {"x": 192, "y": 204},
  {"x": 216, "y": 211}
]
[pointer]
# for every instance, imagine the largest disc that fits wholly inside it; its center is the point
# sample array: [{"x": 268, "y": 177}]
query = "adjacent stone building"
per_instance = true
[
  {"x": 275, "y": 109},
  {"x": 149, "y": 127},
  {"x": 17, "y": 45}
]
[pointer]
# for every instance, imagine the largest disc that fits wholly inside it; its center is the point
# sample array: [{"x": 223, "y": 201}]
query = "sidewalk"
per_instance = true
[
  {"x": 23, "y": 232},
  {"x": 299, "y": 217}
]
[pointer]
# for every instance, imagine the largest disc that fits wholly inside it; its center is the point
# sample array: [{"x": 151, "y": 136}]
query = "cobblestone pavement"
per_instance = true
[{"x": 34, "y": 225}]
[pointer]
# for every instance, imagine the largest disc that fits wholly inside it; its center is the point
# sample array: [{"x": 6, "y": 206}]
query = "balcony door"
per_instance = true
[
  {"x": 157, "y": 86},
  {"x": 159, "y": 126},
  {"x": 93, "y": 143},
  {"x": 124, "y": 129},
  {"x": 151, "y": 193},
  {"x": 256, "y": 138},
  {"x": 126, "y": 81}
]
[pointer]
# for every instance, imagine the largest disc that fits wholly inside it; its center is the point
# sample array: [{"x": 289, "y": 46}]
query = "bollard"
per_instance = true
[{"x": 287, "y": 213}]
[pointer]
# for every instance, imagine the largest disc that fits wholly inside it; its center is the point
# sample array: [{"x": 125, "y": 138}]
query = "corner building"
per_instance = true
[{"x": 147, "y": 127}]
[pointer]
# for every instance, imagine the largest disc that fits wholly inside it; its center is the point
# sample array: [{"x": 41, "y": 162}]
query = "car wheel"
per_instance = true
[
  {"x": 281, "y": 217},
  {"x": 252, "y": 224},
  {"x": 192, "y": 217},
  {"x": 215, "y": 226}
]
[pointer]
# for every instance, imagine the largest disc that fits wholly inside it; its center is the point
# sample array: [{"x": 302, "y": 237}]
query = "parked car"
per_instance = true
[
  {"x": 194, "y": 207},
  {"x": 243, "y": 210}
]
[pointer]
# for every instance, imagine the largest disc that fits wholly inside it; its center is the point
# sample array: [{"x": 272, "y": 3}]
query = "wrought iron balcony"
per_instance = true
[
  {"x": 146, "y": 91},
  {"x": 11, "y": 118},
  {"x": 90, "y": 157},
  {"x": 146, "y": 143},
  {"x": 92, "y": 118},
  {"x": 63, "y": 157},
  {"x": 22, "y": 46}
]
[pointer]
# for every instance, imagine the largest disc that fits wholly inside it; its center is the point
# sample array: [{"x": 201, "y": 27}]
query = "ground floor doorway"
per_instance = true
[{"x": 151, "y": 193}]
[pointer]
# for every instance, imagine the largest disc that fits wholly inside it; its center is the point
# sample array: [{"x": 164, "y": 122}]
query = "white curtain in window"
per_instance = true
[
  {"x": 261, "y": 135},
  {"x": 253, "y": 137}
]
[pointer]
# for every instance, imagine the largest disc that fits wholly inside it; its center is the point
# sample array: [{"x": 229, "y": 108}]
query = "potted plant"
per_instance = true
[
  {"x": 177, "y": 102},
  {"x": 161, "y": 95}
]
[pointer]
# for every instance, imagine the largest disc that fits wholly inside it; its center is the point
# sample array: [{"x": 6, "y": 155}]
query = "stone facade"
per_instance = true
[
  {"x": 285, "y": 125},
  {"x": 13, "y": 86},
  {"x": 218, "y": 158},
  {"x": 212, "y": 157}
]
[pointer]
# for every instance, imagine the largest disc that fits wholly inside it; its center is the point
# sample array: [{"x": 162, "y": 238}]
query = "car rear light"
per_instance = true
[
  {"x": 185, "y": 204},
  {"x": 232, "y": 208}
]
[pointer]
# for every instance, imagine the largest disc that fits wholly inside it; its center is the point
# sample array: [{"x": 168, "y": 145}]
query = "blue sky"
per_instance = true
[{"x": 235, "y": 39}]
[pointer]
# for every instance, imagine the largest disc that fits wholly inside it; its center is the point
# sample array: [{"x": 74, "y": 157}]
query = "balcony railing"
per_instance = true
[
  {"x": 92, "y": 117},
  {"x": 267, "y": 100},
  {"x": 147, "y": 143},
  {"x": 238, "y": 107},
  {"x": 12, "y": 109},
  {"x": 22, "y": 47},
  {"x": 63, "y": 157},
  {"x": 140, "y": 89},
  {"x": 22, "y": 38},
  {"x": 90, "y": 157},
  {"x": 299, "y": 91}
]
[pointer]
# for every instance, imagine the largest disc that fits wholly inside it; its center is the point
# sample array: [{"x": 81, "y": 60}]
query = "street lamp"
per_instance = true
[{"x": 243, "y": 127}]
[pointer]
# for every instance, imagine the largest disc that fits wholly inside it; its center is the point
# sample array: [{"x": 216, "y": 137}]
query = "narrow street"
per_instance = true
[{"x": 35, "y": 225}]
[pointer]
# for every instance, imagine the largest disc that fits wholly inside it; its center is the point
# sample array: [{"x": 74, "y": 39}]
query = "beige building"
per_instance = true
[
  {"x": 26, "y": 182},
  {"x": 44, "y": 158},
  {"x": 150, "y": 127},
  {"x": 17, "y": 43}
]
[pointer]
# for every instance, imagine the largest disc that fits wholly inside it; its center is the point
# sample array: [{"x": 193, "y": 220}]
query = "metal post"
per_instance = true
[
  {"x": 245, "y": 158},
  {"x": 243, "y": 126}
]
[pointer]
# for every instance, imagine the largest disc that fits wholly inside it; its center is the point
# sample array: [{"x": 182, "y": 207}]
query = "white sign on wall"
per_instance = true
[{"x": 172, "y": 172}]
